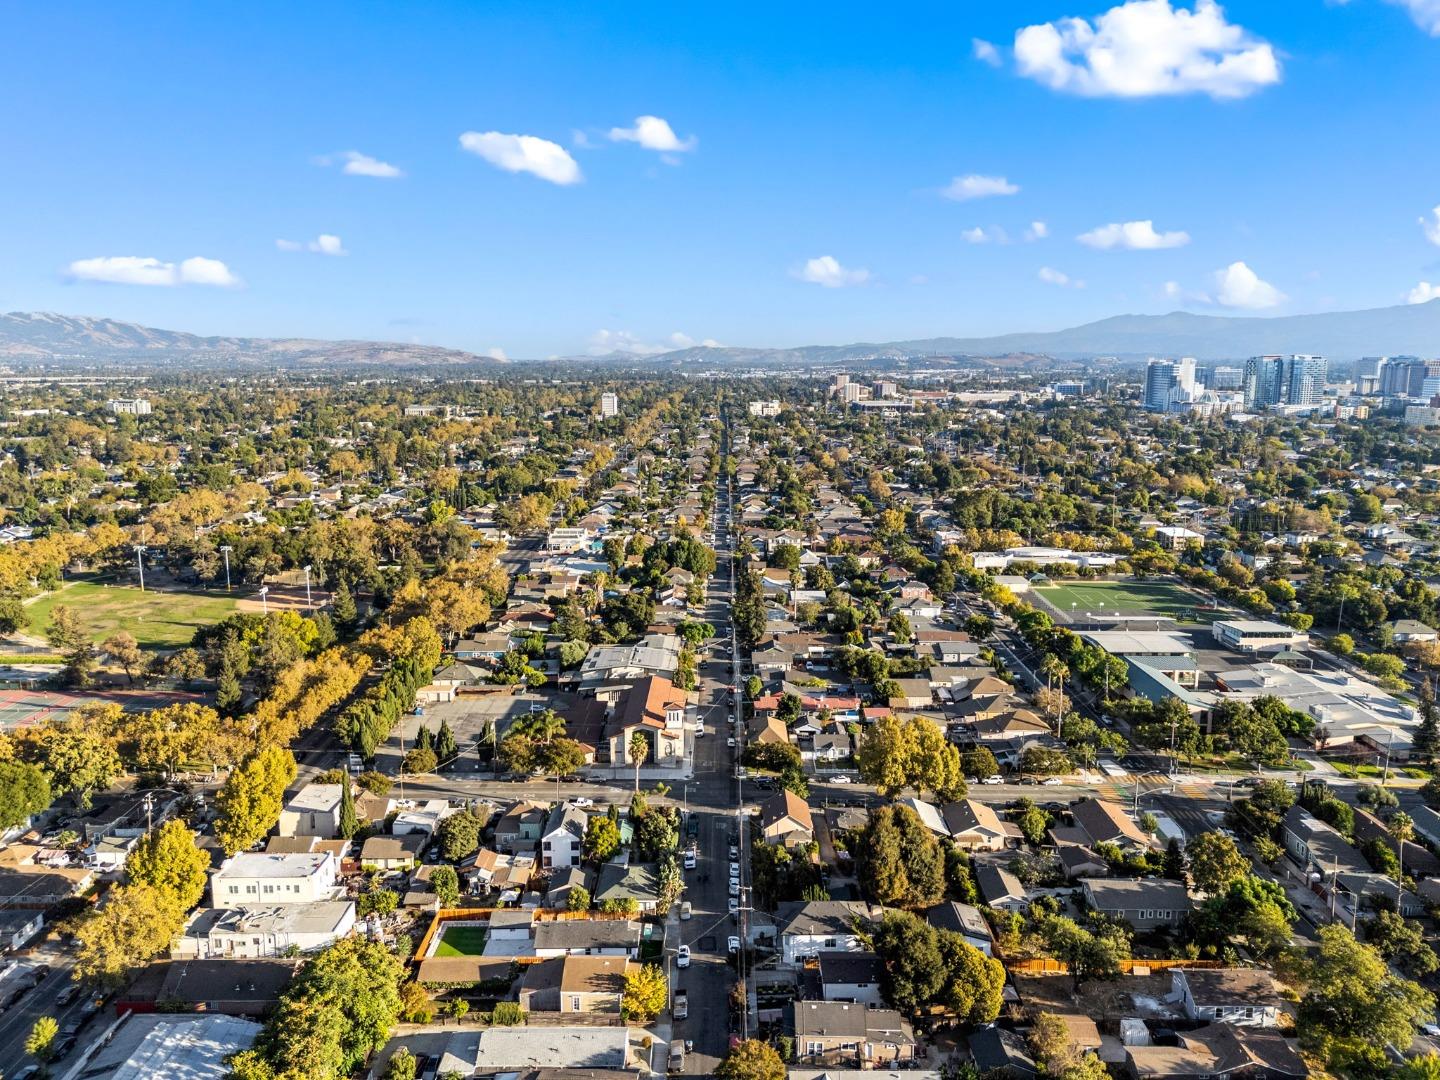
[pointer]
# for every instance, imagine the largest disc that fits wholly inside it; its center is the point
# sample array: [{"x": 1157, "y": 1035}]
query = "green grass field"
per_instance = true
[
  {"x": 157, "y": 619},
  {"x": 1128, "y": 597},
  {"x": 461, "y": 941}
]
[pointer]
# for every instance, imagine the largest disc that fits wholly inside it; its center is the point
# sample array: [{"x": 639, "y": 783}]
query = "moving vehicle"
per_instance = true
[
  {"x": 1052, "y": 781},
  {"x": 690, "y": 858},
  {"x": 841, "y": 779},
  {"x": 682, "y": 960}
]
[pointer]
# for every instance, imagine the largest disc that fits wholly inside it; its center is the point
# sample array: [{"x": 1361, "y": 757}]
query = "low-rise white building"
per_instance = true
[
  {"x": 314, "y": 811},
  {"x": 1258, "y": 635},
  {"x": 256, "y": 932},
  {"x": 261, "y": 877}
]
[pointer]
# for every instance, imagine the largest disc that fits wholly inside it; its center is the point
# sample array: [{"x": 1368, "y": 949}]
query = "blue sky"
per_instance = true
[{"x": 1283, "y": 150}]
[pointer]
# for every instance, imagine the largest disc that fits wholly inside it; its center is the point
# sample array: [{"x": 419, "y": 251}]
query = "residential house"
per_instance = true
[
  {"x": 1001, "y": 889},
  {"x": 1216, "y": 1051},
  {"x": 965, "y": 920},
  {"x": 851, "y": 976},
  {"x": 392, "y": 852},
  {"x": 1244, "y": 996},
  {"x": 1145, "y": 903},
  {"x": 564, "y": 834},
  {"x": 19, "y": 926},
  {"x": 837, "y": 1032},
  {"x": 1000, "y": 1052},
  {"x": 587, "y": 937},
  {"x": 519, "y": 828},
  {"x": 591, "y": 985},
  {"x": 974, "y": 826},
  {"x": 785, "y": 820},
  {"x": 1106, "y": 822},
  {"x": 806, "y": 928},
  {"x": 635, "y": 881}
]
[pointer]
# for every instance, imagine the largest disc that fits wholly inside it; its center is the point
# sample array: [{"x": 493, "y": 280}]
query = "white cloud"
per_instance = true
[
  {"x": 1426, "y": 14},
  {"x": 978, "y": 187},
  {"x": 1143, "y": 48},
  {"x": 496, "y": 353},
  {"x": 653, "y": 133},
  {"x": 1038, "y": 230},
  {"x": 523, "y": 153},
  {"x": 827, "y": 271},
  {"x": 992, "y": 234},
  {"x": 1237, "y": 286},
  {"x": 133, "y": 270},
  {"x": 1132, "y": 236},
  {"x": 324, "y": 244},
  {"x": 1430, "y": 225},
  {"x": 1051, "y": 276},
  {"x": 608, "y": 341},
  {"x": 985, "y": 52},
  {"x": 1424, "y": 293},
  {"x": 354, "y": 163}
]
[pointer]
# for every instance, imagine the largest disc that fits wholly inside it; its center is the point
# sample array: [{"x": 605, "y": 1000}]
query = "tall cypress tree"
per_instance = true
[
  {"x": 445, "y": 748},
  {"x": 1426, "y": 740},
  {"x": 349, "y": 822}
]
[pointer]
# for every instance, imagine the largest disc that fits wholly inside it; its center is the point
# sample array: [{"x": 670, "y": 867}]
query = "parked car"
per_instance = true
[
  {"x": 1052, "y": 781},
  {"x": 734, "y": 904},
  {"x": 682, "y": 957},
  {"x": 680, "y": 1006},
  {"x": 686, "y": 910},
  {"x": 841, "y": 779},
  {"x": 993, "y": 780}
]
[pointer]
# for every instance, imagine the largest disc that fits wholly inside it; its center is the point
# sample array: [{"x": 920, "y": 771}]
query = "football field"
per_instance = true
[
  {"x": 1162, "y": 598},
  {"x": 157, "y": 619}
]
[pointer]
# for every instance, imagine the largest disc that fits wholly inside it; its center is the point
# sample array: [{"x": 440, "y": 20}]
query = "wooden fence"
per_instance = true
[{"x": 1137, "y": 966}]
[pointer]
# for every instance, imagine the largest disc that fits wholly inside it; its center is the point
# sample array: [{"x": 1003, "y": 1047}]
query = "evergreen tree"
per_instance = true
[
  {"x": 342, "y": 607},
  {"x": 1174, "y": 861},
  {"x": 423, "y": 739},
  {"x": 445, "y": 747},
  {"x": 349, "y": 822},
  {"x": 1426, "y": 740}
]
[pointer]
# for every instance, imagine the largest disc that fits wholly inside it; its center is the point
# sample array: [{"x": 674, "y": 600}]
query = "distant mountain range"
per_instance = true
[
  {"x": 31, "y": 337},
  {"x": 1339, "y": 335}
]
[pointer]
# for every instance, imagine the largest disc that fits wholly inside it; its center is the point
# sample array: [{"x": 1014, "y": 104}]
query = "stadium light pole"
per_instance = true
[
  {"x": 308, "y": 605},
  {"x": 264, "y": 603},
  {"x": 225, "y": 551},
  {"x": 140, "y": 562}
]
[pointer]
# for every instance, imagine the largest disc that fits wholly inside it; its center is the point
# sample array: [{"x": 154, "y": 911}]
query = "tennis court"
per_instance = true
[{"x": 1162, "y": 598}]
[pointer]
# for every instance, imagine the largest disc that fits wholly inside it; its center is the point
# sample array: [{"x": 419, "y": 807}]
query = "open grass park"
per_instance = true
[{"x": 158, "y": 619}]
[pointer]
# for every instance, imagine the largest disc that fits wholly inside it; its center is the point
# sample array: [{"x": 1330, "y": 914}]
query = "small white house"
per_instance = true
[{"x": 314, "y": 811}]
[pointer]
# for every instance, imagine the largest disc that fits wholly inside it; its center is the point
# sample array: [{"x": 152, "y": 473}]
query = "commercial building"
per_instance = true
[
  {"x": 1258, "y": 635},
  {"x": 262, "y": 877},
  {"x": 256, "y": 932},
  {"x": 129, "y": 406},
  {"x": 1169, "y": 384},
  {"x": 609, "y": 405}
]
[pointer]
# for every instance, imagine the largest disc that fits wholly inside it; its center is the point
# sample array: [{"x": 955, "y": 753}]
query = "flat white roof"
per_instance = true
[
  {"x": 271, "y": 864},
  {"x": 1259, "y": 626},
  {"x": 1138, "y": 643}
]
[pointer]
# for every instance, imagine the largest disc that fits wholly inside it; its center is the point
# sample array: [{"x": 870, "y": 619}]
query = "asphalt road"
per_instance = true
[{"x": 16, "y": 1021}]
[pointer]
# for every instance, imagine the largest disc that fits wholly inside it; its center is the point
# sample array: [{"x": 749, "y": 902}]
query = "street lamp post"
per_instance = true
[
  {"x": 140, "y": 562},
  {"x": 225, "y": 551}
]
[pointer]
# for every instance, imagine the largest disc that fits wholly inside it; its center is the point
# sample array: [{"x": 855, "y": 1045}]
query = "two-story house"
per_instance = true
[
  {"x": 262, "y": 877},
  {"x": 563, "y": 836}
]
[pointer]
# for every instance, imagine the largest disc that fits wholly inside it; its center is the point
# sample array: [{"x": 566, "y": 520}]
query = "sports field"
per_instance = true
[
  {"x": 1125, "y": 597},
  {"x": 461, "y": 941},
  {"x": 157, "y": 619}
]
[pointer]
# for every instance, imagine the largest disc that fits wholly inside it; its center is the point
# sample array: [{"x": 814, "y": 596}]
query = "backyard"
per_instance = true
[{"x": 461, "y": 941}]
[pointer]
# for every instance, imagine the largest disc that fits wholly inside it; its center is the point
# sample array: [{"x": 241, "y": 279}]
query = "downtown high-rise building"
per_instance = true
[
  {"x": 1294, "y": 380},
  {"x": 1169, "y": 384}
]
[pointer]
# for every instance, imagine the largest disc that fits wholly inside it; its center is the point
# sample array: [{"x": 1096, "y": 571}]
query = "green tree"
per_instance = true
[
  {"x": 578, "y": 899},
  {"x": 460, "y": 835},
  {"x": 446, "y": 884},
  {"x": 602, "y": 838},
  {"x": 124, "y": 650},
  {"x": 1402, "y": 942},
  {"x": 446, "y": 748},
  {"x": 884, "y": 754},
  {"x": 401, "y": 1066},
  {"x": 349, "y": 821},
  {"x": 250, "y": 801},
  {"x": 645, "y": 994},
  {"x": 134, "y": 925},
  {"x": 78, "y": 760},
  {"x": 638, "y": 751},
  {"x": 1352, "y": 999},
  {"x": 419, "y": 761},
  {"x": 1089, "y": 954},
  {"x": 40, "y": 1042},
  {"x": 168, "y": 859},
  {"x": 752, "y": 1059},
  {"x": 900, "y": 861},
  {"x": 24, "y": 792},
  {"x": 1215, "y": 862}
]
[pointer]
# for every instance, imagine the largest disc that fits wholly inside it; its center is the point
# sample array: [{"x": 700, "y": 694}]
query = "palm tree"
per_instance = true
[{"x": 638, "y": 750}]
